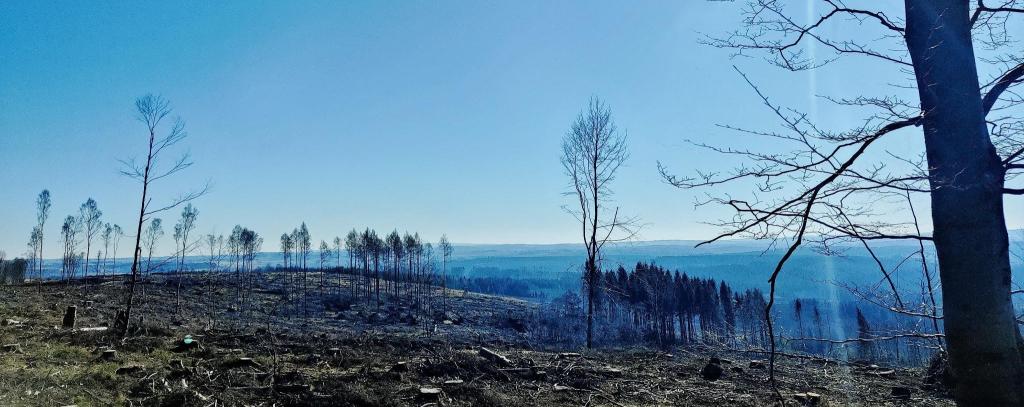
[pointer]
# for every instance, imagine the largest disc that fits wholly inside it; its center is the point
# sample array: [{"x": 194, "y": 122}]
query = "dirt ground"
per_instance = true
[{"x": 477, "y": 352}]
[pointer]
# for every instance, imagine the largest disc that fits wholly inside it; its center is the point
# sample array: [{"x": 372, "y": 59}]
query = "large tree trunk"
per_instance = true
[{"x": 967, "y": 207}]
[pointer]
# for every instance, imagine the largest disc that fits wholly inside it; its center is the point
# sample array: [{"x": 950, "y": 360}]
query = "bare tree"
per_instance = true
[
  {"x": 339, "y": 245},
  {"x": 35, "y": 240},
  {"x": 352, "y": 247},
  {"x": 107, "y": 236},
  {"x": 90, "y": 215},
  {"x": 972, "y": 146},
  {"x": 42, "y": 214},
  {"x": 185, "y": 225},
  {"x": 325, "y": 258},
  {"x": 286, "y": 248},
  {"x": 69, "y": 233},
  {"x": 152, "y": 111},
  {"x": 446, "y": 253},
  {"x": 149, "y": 240},
  {"x": 118, "y": 233},
  {"x": 593, "y": 150}
]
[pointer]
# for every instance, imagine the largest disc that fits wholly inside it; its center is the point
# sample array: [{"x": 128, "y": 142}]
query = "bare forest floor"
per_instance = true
[{"x": 341, "y": 353}]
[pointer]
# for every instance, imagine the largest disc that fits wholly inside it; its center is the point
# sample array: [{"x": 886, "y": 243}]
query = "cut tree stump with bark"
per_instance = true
[
  {"x": 70, "y": 315},
  {"x": 108, "y": 354}
]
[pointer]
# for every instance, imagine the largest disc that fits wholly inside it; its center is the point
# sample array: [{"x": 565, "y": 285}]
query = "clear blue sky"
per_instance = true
[{"x": 437, "y": 117}]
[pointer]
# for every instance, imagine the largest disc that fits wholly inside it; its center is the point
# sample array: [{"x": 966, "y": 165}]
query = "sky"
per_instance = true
[{"x": 438, "y": 117}]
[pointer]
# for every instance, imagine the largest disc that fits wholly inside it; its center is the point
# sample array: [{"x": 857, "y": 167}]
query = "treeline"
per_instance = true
[
  {"x": 506, "y": 286},
  {"x": 654, "y": 306}
]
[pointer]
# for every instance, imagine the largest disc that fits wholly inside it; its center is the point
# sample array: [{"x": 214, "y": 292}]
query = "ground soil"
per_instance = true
[{"x": 334, "y": 352}]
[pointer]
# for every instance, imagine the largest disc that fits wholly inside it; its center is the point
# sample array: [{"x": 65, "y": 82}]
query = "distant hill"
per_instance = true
[{"x": 742, "y": 263}]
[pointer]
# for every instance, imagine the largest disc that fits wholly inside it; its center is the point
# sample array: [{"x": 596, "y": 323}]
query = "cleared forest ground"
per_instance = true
[{"x": 478, "y": 353}]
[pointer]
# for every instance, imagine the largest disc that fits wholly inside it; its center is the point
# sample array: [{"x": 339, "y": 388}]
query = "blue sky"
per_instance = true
[{"x": 437, "y": 117}]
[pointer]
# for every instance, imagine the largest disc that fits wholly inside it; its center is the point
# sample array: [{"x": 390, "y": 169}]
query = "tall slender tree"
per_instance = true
[
  {"x": 185, "y": 225},
  {"x": 118, "y": 234},
  {"x": 151, "y": 111},
  {"x": 90, "y": 214},
  {"x": 70, "y": 234},
  {"x": 42, "y": 214},
  {"x": 593, "y": 150},
  {"x": 106, "y": 236},
  {"x": 446, "y": 253},
  {"x": 149, "y": 241}
]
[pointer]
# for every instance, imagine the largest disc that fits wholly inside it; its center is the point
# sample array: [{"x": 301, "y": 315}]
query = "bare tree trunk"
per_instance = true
[
  {"x": 967, "y": 207},
  {"x": 124, "y": 324}
]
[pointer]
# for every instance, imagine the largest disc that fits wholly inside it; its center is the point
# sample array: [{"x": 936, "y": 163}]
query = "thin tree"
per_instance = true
[
  {"x": 211, "y": 245},
  {"x": 35, "y": 240},
  {"x": 42, "y": 214},
  {"x": 152, "y": 235},
  {"x": 69, "y": 233},
  {"x": 593, "y": 150},
  {"x": 152, "y": 111},
  {"x": 446, "y": 253},
  {"x": 325, "y": 258},
  {"x": 397, "y": 249},
  {"x": 90, "y": 214},
  {"x": 118, "y": 234},
  {"x": 338, "y": 246},
  {"x": 107, "y": 236},
  {"x": 352, "y": 248},
  {"x": 185, "y": 225},
  {"x": 286, "y": 249}
]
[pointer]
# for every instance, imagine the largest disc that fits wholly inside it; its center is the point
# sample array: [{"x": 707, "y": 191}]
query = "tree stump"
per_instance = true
[
  {"x": 69, "y": 317},
  {"x": 108, "y": 354}
]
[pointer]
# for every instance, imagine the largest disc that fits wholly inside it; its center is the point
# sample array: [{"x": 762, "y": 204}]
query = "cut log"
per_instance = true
[
  {"x": 293, "y": 388},
  {"x": 10, "y": 322},
  {"x": 241, "y": 362},
  {"x": 93, "y": 329},
  {"x": 808, "y": 399},
  {"x": 885, "y": 374},
  {"x": 495, "y": 356},
  {"x": 429, "y": 394},
  {"x": 568, "y": 355},
  {"x": 69, "y": 317}
]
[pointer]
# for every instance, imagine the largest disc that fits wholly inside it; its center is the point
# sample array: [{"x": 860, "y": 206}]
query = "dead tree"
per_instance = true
[
  {"x": 69, "y": 233},
  {"x": 446, "y": 253},
  {"x": 151, "y": 111},
  {"x": 592, "y": 151},
  {"x": 90, "y": 214},
  {"x": 185, "y": 224},
  {"x": 972, "y": 145},
  {"x": 42, "y": 214}
]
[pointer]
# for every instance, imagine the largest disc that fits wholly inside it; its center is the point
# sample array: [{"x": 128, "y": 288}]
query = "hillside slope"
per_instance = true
[{"x": 478, "y": 352}]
